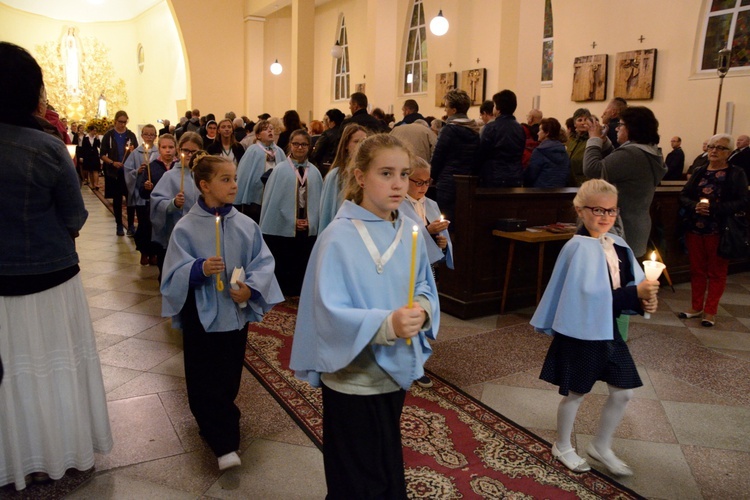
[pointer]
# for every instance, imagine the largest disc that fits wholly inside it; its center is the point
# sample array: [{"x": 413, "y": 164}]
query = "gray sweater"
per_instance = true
[{"x": 635, "y": 169}]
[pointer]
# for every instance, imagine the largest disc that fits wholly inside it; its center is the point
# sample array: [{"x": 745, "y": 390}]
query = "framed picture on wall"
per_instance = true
[
  {"x": 359, "y": 87},
  {"x": 589, "y": 78},
  {"x": 634, "y": 74},
  {"x": 443, "y": 83},
  {"x": 473, "y": 82}
]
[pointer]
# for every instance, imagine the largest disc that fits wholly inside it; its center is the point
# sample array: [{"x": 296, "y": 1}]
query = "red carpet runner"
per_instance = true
[{"x": 454, "y": 446}]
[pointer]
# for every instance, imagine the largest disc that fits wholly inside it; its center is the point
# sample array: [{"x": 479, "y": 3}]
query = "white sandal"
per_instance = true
[
  {"x": 571, "y": 460},
  {"x": 616, "y": 466}
]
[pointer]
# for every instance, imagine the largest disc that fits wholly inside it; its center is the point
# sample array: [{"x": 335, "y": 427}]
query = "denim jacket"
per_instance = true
[{"x": 41, "y": 206}]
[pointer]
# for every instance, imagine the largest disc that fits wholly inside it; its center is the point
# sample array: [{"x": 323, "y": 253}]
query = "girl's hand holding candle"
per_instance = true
[
  {"x": 219, "y": 283},
  {"x": 653, "y": 270}
]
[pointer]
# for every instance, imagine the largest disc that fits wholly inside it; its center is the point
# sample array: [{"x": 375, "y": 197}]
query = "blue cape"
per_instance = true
[
  {"x": 164, "y": 215},
  {"x": 330, "y": 200},
  {"x": 578, "y": 299},
  {"x": 249, "y": 170},
  {"x": 132, "y": 163},
  {"x": 278, "y": 216},
  {"x": 433, "y": 213},
  {"x": 194, "y": 237},
  {"x": 344, "y": 300}
]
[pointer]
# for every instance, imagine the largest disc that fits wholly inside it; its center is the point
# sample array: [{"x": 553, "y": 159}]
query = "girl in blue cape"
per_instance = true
[
  {"x": 212, "y": 318},
  {"x": 596, "y": 278},
  {"x": 335, "y": 180},
  {"x": 353, "y": 324},
  {"x": 289, "y": 217},
  {"x": 257, "y": 160},
  {"x": 168, "y": 203}
]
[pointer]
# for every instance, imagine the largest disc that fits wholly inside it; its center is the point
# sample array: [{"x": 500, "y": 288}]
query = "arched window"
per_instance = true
[
  {"x": 415, "y": 66},
  {"x": 727, "y": 25},
  {"x": 548, "y": 48},
  {"x": 341, "y": 77}
]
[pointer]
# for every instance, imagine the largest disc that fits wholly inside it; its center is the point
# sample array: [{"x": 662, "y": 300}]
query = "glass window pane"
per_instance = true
[
  {"x": 548, "y": 54},
  {"x": 547, "y": 19},
  {"x": 410, "y": 46},
  {"x": 744, "y": 3},
  {"x": 424, "y": 76},
  {"x": 717, "y": 33},
  {"x": 421, "y": 14},
  {"x": 417, "y": 78},
  {"x": 414, "y": 16},
  {"x": 741, "y": 42},
  {"x": 722, "y": 4}
]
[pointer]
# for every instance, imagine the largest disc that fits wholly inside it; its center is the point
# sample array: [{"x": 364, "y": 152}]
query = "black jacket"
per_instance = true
[
  {"x": 455, "y": 154},
  {"x": 362, "y": 117},
  {"x": 500, "y": 153},
  {"x": 733, "y": 196}
]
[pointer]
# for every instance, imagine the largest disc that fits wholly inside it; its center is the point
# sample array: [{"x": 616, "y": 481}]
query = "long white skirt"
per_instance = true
[{"x": 53, "y": 409}]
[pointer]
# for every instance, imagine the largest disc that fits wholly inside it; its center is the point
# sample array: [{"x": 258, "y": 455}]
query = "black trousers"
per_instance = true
[
  {"x": 143, "y": 242},
  {"x": 291, "y": 256},
  {"x": 119, "y": 190},
  {"x": 362, "y": 451},
  {"x": 213, "y": 369}
]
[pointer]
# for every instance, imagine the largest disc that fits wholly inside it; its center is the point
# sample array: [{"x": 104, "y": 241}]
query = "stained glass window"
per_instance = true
[
  {"x": 727, "y": 25},
  {"x": 548, "y": 48},
  {"x": 341, "y": 78}
]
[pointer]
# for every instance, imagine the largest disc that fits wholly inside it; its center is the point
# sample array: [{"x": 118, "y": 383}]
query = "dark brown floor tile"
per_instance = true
[
  {"x": 737, "y": 311},
  {"x": 719, "y": 473},
  {"x": 490, "y": 355}
]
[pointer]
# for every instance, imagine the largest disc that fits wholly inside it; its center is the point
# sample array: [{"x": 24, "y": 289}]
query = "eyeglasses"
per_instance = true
[
  {"x": 718, "y": 148},
  {"x": 300, "y": 145},
  {"x": 600, "y": 212},
  {"x": 189, "y": 152},
  {"x": 421, "y": 183}
]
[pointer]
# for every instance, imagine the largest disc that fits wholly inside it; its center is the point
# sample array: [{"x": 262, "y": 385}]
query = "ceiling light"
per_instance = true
[{"x": 439, "y": 24}]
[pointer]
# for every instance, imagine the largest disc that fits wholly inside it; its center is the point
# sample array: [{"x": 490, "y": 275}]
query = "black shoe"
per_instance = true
[
  {"x": 120, "y": 231},
  {"x": 131, "y": 231},
  {"x": 424, "y": 382}
]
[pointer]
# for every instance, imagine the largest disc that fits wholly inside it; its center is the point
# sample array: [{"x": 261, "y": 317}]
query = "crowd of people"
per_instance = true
[{"x": 294, "y": 210}]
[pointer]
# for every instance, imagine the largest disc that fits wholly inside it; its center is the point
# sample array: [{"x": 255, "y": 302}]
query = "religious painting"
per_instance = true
[
  {"x": 443, "y": 83},
  {"x": 473, "y": 83},
  {"x": 634, "y": 74},
  {"x": 359, "y": 87},
  {"x": 589, "y": 78}
]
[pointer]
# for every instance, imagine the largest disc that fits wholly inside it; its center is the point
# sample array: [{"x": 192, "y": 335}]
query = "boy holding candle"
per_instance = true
[
  {"x": 211, "y": 239},
  {"x": 353, "y": 323},
  {"x": 142, "y": 155},
  {"x": 596, "y": 278}
]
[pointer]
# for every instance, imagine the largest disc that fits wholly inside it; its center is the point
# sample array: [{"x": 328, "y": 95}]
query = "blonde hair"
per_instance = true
[
  {"x": 343, "y": 158},
  {"x": 593, "y": 187},
  {"x": 368, "y": 150}
]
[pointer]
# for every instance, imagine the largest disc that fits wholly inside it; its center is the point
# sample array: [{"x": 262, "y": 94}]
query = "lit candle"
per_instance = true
[
  {"x": 148, "y": 163},
  {"x": 653, "y": 270},
  {"x": 182, "y": 172},
  {"x": 442, "y": 218},
  {"x": 413, "y": 270},
  {"x": 219, "y": 283},
  {"x": 704, "y": 200}
]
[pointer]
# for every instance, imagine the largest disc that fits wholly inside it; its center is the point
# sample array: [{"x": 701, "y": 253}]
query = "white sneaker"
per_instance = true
[{"x": 229, "y": 460}]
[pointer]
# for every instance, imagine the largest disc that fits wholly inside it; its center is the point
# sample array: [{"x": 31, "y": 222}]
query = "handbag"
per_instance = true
[{"x": 734, "y": 242}]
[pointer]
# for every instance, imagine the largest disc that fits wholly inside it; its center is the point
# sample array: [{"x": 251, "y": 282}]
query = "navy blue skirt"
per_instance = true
[{"x": 575, "y": 365}]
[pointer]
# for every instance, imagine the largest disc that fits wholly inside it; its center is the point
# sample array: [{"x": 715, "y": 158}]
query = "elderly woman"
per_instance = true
[
  {"x": 549, "y": 166},
  {"x": 53, "y": 409},
  {"x": 714, "y": 192},
  {"x": 576, "y": 145}
]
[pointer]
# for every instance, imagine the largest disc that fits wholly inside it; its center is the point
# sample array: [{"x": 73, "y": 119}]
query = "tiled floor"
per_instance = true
[{"x": 686, "y": 433}]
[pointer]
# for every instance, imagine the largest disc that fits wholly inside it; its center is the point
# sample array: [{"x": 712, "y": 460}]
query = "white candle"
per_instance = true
[{"x": 653, "y": 270}]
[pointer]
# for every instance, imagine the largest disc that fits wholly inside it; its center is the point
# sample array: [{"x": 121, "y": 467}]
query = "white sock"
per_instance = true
[
  {"x": 612, "y": 413},
  {"x": 566, "y": 416}
]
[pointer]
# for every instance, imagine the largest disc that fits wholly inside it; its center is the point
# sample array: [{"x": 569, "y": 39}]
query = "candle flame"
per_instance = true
[
  {"x": 653, "y": 256},
  {"x": 218, "y": 218},
  {"x": 415, "y": 228},
  {"x": 442, "y": 218}
]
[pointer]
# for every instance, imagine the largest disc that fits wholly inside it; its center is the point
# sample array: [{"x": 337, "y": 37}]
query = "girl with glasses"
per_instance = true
[
  {"x": 290, "y": 213},
  {"x": 596, "y": 279},
  {"x": 176, "y": 192}
]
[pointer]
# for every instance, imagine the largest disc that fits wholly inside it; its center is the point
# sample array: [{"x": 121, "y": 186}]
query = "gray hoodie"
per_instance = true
[{"x": 635, "y": 170}]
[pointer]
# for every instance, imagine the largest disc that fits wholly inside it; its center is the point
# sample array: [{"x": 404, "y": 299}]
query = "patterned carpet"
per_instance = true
[{"x": 454, "y": 446}]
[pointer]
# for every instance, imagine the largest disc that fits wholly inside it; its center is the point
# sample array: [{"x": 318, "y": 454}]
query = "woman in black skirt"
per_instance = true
[{"x": 596, "y": 278}]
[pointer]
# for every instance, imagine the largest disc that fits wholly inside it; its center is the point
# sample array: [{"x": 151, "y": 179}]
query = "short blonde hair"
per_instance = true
[{"x": 592, "y": 187}]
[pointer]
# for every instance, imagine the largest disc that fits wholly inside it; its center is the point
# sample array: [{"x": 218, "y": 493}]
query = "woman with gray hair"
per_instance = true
[{"x": 713, "y": 193}]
